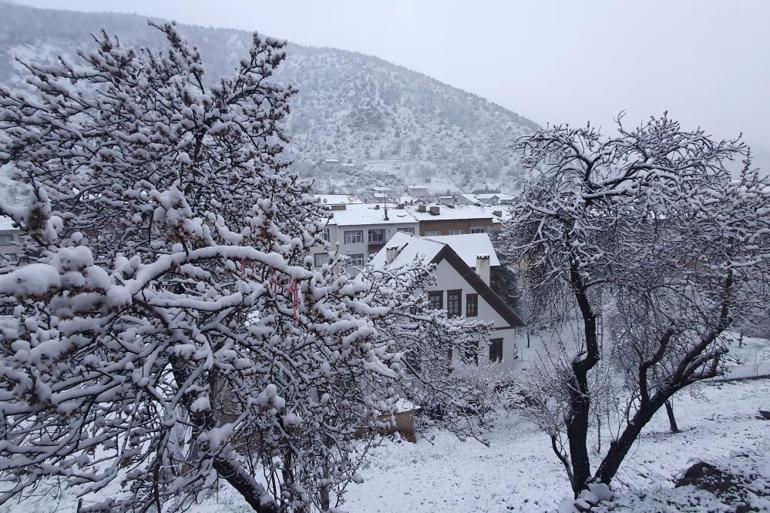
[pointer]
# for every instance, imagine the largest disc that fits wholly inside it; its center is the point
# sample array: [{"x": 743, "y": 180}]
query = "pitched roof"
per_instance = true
[
  {"x": 430, "y": 250},
  {"x": 469, "y": 246}
]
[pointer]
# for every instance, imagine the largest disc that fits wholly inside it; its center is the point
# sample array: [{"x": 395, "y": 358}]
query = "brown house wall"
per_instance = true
[{"x": 444, "y": 225}]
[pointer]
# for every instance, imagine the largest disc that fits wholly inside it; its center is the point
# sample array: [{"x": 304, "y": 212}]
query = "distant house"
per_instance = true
[
  {"x": 338, "y": 201},
  {"x": 9, "y": 234},
  {"x": 463, "y": 272},
  {"x": 487, "y": 198},
  {"x": 381, "y": 193},
  {"x": 454, "y": 220},
  {"x": 360, "y": 230},
  {"x": 419, "y": 192}
]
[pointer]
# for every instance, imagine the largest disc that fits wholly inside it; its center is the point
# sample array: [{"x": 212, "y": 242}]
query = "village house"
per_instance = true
[
  {"x": 464, "y": 269},
  {"x": 454, "y": 220},
  {"x": 8, "y": 236},
  {"x": 338, "y": 201},
  {"x": 487, "y": 198},
  {"x": 361, "y": 230}
]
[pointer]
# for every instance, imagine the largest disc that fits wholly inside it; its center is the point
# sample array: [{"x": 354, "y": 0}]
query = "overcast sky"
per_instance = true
[{"x": 707, "y": 62}]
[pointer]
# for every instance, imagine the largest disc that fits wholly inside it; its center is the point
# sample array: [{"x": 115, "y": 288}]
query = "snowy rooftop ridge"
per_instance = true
[
  {"x": 469, "y": 246},
  {"x": 411, "y": 247}
]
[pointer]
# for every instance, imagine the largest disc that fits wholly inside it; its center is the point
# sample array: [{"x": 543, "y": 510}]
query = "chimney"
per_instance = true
[
  {"x": 483, "y": 268},
  {"x": 390, "y": 254},
  {"x": 421, "y": 207},
  {"x": 435, "y": 210}
]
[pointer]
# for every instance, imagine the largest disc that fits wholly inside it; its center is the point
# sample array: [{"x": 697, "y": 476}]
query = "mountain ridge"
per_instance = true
[{"x": 390, "y": 124}]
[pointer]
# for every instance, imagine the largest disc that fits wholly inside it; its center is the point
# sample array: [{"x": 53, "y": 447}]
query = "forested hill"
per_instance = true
[{"x": 384, "y": 118}]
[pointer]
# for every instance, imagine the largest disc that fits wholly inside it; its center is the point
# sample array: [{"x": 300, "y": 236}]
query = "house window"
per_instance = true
[
  {"x": 377, "y": 235},
  {"x": 436, "y": 299},
  {"x": 432, "y": 233},
  {"x": 478, "y": 230},
  {"x": 409, "y": 230},
  {"x": 454, "y": 300},
  {"x": 353, "y": 237},
  {"x": 6, "y": 239},
  {"x": 496, "y": 350},
  {"x": 456, "y": 232},
  {"x": 471, "y": 305},
  {"x": 320, "y": 259},
  {"x": 325, "y": 235},
  {"x": 356, "y": 260}
]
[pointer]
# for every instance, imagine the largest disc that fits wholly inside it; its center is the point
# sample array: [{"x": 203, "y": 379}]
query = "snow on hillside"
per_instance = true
[{"x": 350, "y": 107}]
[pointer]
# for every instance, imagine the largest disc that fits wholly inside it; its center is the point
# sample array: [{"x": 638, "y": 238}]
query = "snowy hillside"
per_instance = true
[{"x": 389, "y": 122}]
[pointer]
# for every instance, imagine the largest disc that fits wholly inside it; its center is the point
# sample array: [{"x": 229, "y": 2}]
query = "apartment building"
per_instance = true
[
  {"x": 454, "y": 219},
  {"x": 360, "y": 230}
]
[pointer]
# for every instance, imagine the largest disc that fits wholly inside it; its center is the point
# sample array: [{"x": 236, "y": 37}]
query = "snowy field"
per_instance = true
[{"x": 518, "y": 471}]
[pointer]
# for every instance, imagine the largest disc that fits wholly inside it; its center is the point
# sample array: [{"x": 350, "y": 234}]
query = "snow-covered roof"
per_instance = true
[
  {"x": 469, "y": 246},
  {"x": 471, "y": 198},
  {"x": 338, "y": 199},
  {"x": 483, "y": 197},
  {"x": 457, "y": 212},
  {"x": 367, "y": 213},
  {"x": 411, "y": 247},
  {"x": 498, "y": 195},
  {"x": 6, "y": 223}
]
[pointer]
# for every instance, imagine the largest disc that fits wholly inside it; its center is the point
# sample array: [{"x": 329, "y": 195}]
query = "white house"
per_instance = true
[
  {"x": 463, "y": 272},
  {"x": 338, "y": 201},
  {"x": 488, "y": 198},
  {"x": 362, "y": 230},
  {"x": 8, "y": 236}
]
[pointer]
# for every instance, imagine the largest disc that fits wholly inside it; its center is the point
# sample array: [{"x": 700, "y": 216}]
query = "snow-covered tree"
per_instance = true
[
  {"x": 166, "y": 330},
  {"x": 646, "y": 237}
]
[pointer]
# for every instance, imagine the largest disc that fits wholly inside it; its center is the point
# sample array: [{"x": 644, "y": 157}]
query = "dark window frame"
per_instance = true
[
  {"x": 496, "y": 350},
  {"x": 354, "y": 234},
  {"x": 353, "y": 263},
  {"x": 380, "y": 232},
  {"x": 315, "y": 259},
  {"x": 432, "y": 294},
  {"x": 472, "y": 300},
  {"x": 454, "y": 310}
]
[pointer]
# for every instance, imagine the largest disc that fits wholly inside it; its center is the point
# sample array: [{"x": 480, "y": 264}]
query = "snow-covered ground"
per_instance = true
[{"x": 518, "y": 471}]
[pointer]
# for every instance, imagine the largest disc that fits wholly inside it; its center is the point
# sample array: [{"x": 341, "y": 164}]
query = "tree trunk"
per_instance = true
[
  {"x": 620, "y": 447},
  {"x": 577, "y": 434},
  {"x": 671, "y": 418},
  {"x": 245, "y": 484},
  {"x": 579, "y": 394}
]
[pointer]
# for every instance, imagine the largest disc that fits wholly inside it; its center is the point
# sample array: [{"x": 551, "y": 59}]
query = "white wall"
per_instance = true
[{"x": 447, "y": 278}]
